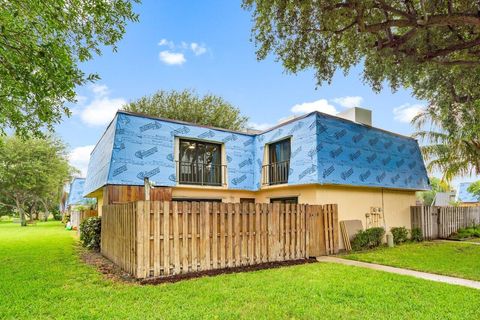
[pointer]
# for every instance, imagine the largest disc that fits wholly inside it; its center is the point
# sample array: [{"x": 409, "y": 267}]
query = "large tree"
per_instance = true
[
  {"x": 431, "y": 47},
  {"x": 188, "y": 106},
  {"x": 32, "y": 174},
  {"x": 474, "y": 189},
  {"x": 41, "y": 46}
]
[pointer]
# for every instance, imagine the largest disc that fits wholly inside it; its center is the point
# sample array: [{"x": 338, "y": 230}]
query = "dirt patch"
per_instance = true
[
  {"x": 106, "y": 267},
  {"x": 215, "y": 272}
]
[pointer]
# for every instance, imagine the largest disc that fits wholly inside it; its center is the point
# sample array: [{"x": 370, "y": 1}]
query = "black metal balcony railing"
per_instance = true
[
  {"x": 200, "y": 173},
  {"x": 275, "y": 173}
]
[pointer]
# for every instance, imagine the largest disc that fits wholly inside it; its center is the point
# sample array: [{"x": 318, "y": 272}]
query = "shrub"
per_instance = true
[
  {"x": 90, "y": 233},
  {"x": 417, "y": 235},
  {"x": 57, "y": 215},
  {"x": 466, "y": 233},
  {"x": 400, "y": 234},
  {"x": 368, "y": 239}
]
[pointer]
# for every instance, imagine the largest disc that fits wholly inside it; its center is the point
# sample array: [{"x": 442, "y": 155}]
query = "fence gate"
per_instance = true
[{"x": 322, "y": 229}]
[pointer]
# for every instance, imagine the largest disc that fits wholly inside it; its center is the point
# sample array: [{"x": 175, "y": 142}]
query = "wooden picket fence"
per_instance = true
[
  {"x": 76, "y": 217},
  {"x": 161, "y": 238},
  {"x": 441, "y": 222}
]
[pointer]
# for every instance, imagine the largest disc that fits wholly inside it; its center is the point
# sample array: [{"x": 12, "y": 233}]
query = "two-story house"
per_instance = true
[{"x": 313, "y": 159}]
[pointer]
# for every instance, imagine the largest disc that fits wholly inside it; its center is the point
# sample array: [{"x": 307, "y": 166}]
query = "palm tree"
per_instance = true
[{"x": 452, "y": 139}]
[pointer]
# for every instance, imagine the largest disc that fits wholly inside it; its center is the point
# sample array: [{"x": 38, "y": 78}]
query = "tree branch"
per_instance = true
[{"x": 453, "y": 48}]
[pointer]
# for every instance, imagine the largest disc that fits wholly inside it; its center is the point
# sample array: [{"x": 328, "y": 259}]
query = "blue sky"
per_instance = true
[{"x": 205, "y": 45}]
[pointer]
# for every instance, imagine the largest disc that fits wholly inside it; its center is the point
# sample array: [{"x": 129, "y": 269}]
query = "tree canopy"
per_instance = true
[
  {"x": 431, "y": 47},
  {"x": 32, "y": 174},
  {"x": 474, "y": 189},
  {"x": 41, "y": 46},
  {"x": 188, "y": 106},
  {"x": 438, "y": 185}
]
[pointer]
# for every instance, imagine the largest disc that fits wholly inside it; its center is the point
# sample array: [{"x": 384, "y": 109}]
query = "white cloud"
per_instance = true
[
  {"x": 406, "y": 112},
  {"x": 79, "y": 158},
  {"x": 321, "y": 105},
  {"x": 349, "y": 101},
  {"x": 172, "y": 58},
  {"x": 197, "y": 48},
  {"x": 176, "y": 53},
  {"x": 102, "y": 108},
  {"x": 260, "y": 126},
  {"x": 100, "y": 90}
]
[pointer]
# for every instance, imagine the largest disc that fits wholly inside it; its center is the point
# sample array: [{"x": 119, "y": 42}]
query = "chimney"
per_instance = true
[{"x": 359, "y": 115}]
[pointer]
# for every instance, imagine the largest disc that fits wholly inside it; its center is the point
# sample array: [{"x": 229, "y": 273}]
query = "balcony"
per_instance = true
[
  {"x": 194, "y": 173},
  {"x": 275, "y": 173}
]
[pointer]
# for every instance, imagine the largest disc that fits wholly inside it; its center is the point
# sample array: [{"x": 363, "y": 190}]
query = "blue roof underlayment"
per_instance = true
[
  {"x": 463, "y": 195},
  {"x": 324, "y": 150},
  {"x": 76, "y": 192}
]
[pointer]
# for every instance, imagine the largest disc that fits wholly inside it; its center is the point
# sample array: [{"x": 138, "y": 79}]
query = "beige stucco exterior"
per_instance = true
[{"x": 353, "y": 202}]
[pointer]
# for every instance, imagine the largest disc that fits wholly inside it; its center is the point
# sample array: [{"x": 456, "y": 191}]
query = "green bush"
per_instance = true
[
  {"x": 417, "y": 235},
  {"x": 466, "y": 233},
  {"x": 57, "y": 215},
  {"x": 90, "y": 230},
  {"x": 400, "y": 234},
  {"x": 370, "y": 238}
]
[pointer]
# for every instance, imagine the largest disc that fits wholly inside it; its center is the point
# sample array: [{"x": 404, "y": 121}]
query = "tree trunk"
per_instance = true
[
  {"x": 46, "y": 213},
  {"x": 23, "y": 221}
]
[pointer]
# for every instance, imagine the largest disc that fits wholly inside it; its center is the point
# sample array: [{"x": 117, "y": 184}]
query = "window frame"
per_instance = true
[
  {"x": 283, "y": 200},
  {"x": 199, "y": 163},
  {"x": 278, "y": 171}
]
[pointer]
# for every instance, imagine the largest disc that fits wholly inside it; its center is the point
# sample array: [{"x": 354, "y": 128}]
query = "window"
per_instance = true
[
  {"x": 196, "y": 200},
  {"x": 200, "y": 163},
  {"x": 247, "y": 200},
  {"x": 291, "y": 200},
  {"x": 278, "y": 162}
]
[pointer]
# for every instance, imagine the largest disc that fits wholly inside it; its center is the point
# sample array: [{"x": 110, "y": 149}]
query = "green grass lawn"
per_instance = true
[
  {"x": 41, "y": 277},
  {"x": 457, "y": 259}
]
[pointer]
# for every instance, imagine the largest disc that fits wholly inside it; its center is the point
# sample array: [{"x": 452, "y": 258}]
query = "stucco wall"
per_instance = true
[{"x": 353, "y": 202}]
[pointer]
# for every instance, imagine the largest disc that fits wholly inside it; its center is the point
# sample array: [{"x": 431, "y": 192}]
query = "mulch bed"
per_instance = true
[
  {"x": 209, "y": 273},
  {"x": 113, "y": 272},
  {"x": 106, "y": 267}
]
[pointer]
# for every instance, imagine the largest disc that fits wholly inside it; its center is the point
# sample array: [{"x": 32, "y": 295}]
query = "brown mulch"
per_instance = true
[
  {"x": 113, "y": 272},
  {"x": 210, "y": 273},
  {"x": 106, "y": 267}
]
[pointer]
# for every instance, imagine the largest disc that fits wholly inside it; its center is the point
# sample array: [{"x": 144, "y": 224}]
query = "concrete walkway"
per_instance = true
[
  {"x": 407, "y": 272},
  {"x": 452, "y": 241}
]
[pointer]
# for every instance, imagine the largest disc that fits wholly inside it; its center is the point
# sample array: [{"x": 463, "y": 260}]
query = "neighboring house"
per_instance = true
[
  {"x": 75, "y": 194},
  {"x": 443, "y": 199},
  {"x": 465, "y": 198},
  {"x": 313, "y": 159}
]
